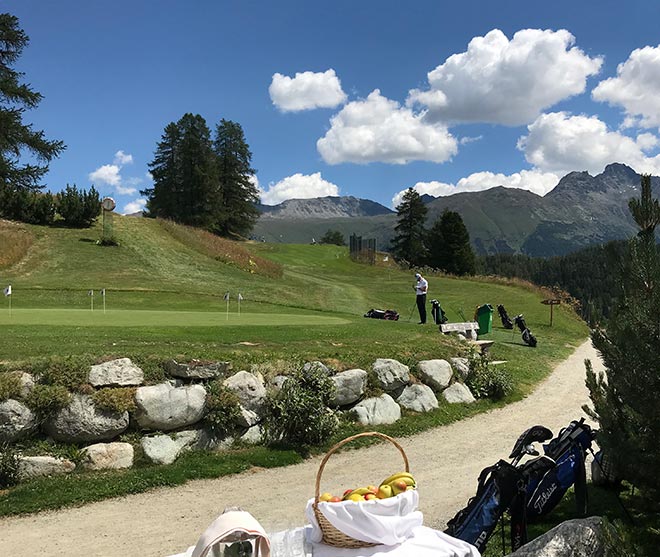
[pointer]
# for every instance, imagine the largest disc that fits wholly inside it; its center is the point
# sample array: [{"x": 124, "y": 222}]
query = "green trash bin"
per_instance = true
[{"x": 485, "y": 319}]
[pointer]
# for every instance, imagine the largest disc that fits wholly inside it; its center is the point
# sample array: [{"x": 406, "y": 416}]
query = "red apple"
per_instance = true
[{"x": 335, "y": 499}]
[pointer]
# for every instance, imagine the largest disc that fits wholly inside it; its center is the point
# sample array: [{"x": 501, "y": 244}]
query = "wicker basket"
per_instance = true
[{"x": 331, "y": 535}]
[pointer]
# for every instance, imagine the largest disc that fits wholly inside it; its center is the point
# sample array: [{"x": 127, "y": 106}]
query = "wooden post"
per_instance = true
[{"x": 551, "y": 302}]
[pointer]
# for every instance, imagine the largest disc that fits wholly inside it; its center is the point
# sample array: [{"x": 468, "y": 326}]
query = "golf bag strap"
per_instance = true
[
  {"x": 518, "y": 513},
  {"x": 580, "y": 488}
]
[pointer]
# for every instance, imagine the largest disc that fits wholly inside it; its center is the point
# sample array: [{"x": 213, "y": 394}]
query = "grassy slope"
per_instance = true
[{"x": 165, "y": 299}]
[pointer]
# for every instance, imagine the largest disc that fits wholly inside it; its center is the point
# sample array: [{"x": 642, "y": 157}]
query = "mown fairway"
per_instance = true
[{"x": 164, "y": 297}]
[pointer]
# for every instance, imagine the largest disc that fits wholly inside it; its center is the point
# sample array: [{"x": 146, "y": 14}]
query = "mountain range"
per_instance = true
[{"x": 581, "y": 210}]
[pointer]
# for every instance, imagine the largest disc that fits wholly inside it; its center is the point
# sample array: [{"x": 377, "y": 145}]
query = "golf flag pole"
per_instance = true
[
  {"x": 227, "y": 300},
  {"x": 240, "y": 297},
  {"x": 7, "y": 293},
  {"x": 91, "y": 298},
  {"x": 103, "y": 295}
]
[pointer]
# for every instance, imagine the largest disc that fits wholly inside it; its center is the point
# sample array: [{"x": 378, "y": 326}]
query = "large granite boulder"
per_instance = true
[
  {"x": 165, "y": 449},
  {"x": 250, "y": 390},
  {"x": 316, "y": 366},
  {"x": 116, "y": 373},
  {"x": 436, "y": 374},
  {"x": 108, "y": 456},
  {"x": 461, "y": 366},
  {"x": 81, "y": 421},
  {"x": 458, "y": 393},
  {"x": 16, "y": 421},
  {"x": 349, "y": 386},
  {"x": 164, "y": 407},
  {"x": 391, "y": 374},
  {"x": 37, "y": 466},
  {"x": 376, "y": 411},
  {"x": 573, "y": 538},
  {"x": 196, "y": 369},
  {"x": 418, "y": 398}
]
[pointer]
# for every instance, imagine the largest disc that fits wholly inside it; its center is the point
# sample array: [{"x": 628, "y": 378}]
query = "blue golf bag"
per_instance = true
[
  {"x": 568, "y": 450},
  {"x": 498, "y": 490}
]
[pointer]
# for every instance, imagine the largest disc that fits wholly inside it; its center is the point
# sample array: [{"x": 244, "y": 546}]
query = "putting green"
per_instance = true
[{"x": 149, "y": 318}]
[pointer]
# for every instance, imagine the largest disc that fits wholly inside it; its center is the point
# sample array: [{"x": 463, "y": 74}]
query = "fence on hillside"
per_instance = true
[{"x": 363, "y": 250}]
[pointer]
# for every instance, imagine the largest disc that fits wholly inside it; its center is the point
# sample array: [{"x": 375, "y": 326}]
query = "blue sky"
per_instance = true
[{"x": 361, "y": 97}]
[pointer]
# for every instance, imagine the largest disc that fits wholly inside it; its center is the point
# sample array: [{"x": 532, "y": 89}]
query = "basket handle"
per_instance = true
[{"x": 348, "y": 440}]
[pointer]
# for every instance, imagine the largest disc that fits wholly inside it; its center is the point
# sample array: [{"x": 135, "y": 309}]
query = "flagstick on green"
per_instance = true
[
  {"x": 103, "y": 294},
  {"x": 227, "y": 300}
]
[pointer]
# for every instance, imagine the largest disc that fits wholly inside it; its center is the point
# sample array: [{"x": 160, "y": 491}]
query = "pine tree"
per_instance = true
[
  {"x": 15, "y": 136},
  {"x": 185, "y": 177},
  {"x": 625, "y": 398},
  {"x": 237, "y": 211},
  {"x": 409, "y": 242},
  {"x": 449, "y": 245}
]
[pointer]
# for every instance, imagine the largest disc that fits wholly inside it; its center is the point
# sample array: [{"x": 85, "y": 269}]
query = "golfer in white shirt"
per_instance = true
[{"x": 421, "y": 287}]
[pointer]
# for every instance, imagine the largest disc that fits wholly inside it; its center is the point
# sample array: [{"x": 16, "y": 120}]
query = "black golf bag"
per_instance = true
[
  {"x": 504, "y": 316},
  {"x": 501, "y": 488},
  {"x": 528, "y": 338},
  {"x": 437, "y": 313},
  {"x": 568, "y": 450},
  {"x": 388, "y": 314}
]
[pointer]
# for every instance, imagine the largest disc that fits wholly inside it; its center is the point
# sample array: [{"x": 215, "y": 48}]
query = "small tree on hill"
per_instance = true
[
  {"x": 409, "y": 242},
  {"x": 625, "y": 398},
  {"x": 78, "y": 208},
  {"x": 333, "y": 237}
]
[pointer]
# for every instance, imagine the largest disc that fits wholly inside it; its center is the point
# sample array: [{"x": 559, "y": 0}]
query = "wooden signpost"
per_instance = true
[{"x": 551, "y": 302}]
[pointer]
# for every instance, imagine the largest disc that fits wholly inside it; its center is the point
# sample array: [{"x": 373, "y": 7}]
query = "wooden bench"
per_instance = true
[{"x": 463, "y": 328}]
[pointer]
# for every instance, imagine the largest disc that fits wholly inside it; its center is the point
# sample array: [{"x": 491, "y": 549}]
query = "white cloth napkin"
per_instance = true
[{"x": 383, "y": 521}]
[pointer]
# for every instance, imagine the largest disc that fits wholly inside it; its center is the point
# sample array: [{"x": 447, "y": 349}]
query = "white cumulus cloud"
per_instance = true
[
  {"x": 307, "y": 90},
  {"x": 504, "y": 81},
  {"x": 537, "y": 182},
  {"x": 299, "y": 186},
  {"x": 560, "y": 143},
  {"x": 378, "y": 129},
  {"x": 110, "y": 174},
  {"x": 636, "y": 87},
  {"x": 106, "y": 174},
  {"x": 122, "y": 158},
  {"x": 134, "y": 206}
]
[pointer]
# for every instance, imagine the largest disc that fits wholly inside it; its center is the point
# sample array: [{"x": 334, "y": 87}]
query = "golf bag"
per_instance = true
[
  {"x": 504, "y": 316},
  {"x": 437, "y": 313},
  {"x": 502, "y": 488},
  {"x": 528, "y": 338},
  {"x": 388, "y": 314},
  {"x": 568, "y": 450}
]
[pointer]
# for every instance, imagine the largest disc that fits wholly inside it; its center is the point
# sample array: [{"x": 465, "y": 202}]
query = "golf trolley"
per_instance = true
[
  {"x": 504, "y": 316},
  {"x": 437, "y": 313}
]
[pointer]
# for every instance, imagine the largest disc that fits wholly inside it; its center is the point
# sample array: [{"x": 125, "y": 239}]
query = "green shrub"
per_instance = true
[
  {"x": 120, "y": 399},
  {"x": 10, "y": 385},
  {"x": 9, "y": 462},
  {"x": 490, "y": 382},
  {"x": 152, "y": 367},
  {"x": 298, "y": 414},
  {"x": 69, "y": 372},
  {"x": 47, "y": 399},
  {"x": 222, "y": 408}
]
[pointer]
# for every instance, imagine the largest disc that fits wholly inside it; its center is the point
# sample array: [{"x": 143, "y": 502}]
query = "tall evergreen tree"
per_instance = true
[
  {"x": 409, "y": 242},
  {"x": 625, "y": 398},
  {"x": 449, "y": 245},
  {"x": 185, "y": 176},
  {"x": 237, "y": 211},
  {"x": 16, "y": 137}
]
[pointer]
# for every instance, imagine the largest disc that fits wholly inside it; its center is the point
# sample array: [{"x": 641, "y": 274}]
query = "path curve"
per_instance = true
[{"x": 446, "y": 462}]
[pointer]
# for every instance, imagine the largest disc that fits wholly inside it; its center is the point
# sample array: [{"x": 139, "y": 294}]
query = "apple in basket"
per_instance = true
[
  {"x": 370, "y": 496},
  {"x": 335, "y": 499},
  {"x": 398, "y": 486}
]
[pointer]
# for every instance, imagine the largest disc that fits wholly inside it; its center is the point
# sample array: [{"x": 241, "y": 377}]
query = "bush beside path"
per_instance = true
[{"x": 445, "y": 461}]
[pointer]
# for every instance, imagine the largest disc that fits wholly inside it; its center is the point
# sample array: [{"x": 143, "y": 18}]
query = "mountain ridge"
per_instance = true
[{"x": 581, "y": 210}]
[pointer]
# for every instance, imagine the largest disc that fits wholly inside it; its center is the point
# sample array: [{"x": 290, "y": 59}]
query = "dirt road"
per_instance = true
[{"x": 445, "y": 461}]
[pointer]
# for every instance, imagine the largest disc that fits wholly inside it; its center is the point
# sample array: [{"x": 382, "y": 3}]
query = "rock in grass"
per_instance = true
[
  {"x": 16, "y": 421},
  {"x": 81, "y": 421},
  {"x": 391, "y": 374},
  {"x": 418, "y": 398},
  {"x": 37, "y": 466},
  {"x": 164, "y": 407},
  {"x": 108, "y": 456},
  {"x": 375, "y": 411},
  {"x": 116, "y": 373}
]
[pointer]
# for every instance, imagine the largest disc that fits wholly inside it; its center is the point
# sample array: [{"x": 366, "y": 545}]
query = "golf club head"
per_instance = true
[
  {"x": 534, "y": 434},
  {"x": 537, "y": 466}
]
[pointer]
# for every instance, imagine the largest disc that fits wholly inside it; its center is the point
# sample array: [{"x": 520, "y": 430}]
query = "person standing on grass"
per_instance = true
[{"x": 421, "y": 286}]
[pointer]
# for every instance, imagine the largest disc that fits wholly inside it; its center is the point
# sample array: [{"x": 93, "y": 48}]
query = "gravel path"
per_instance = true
[{"x": 446, "y": 462}]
